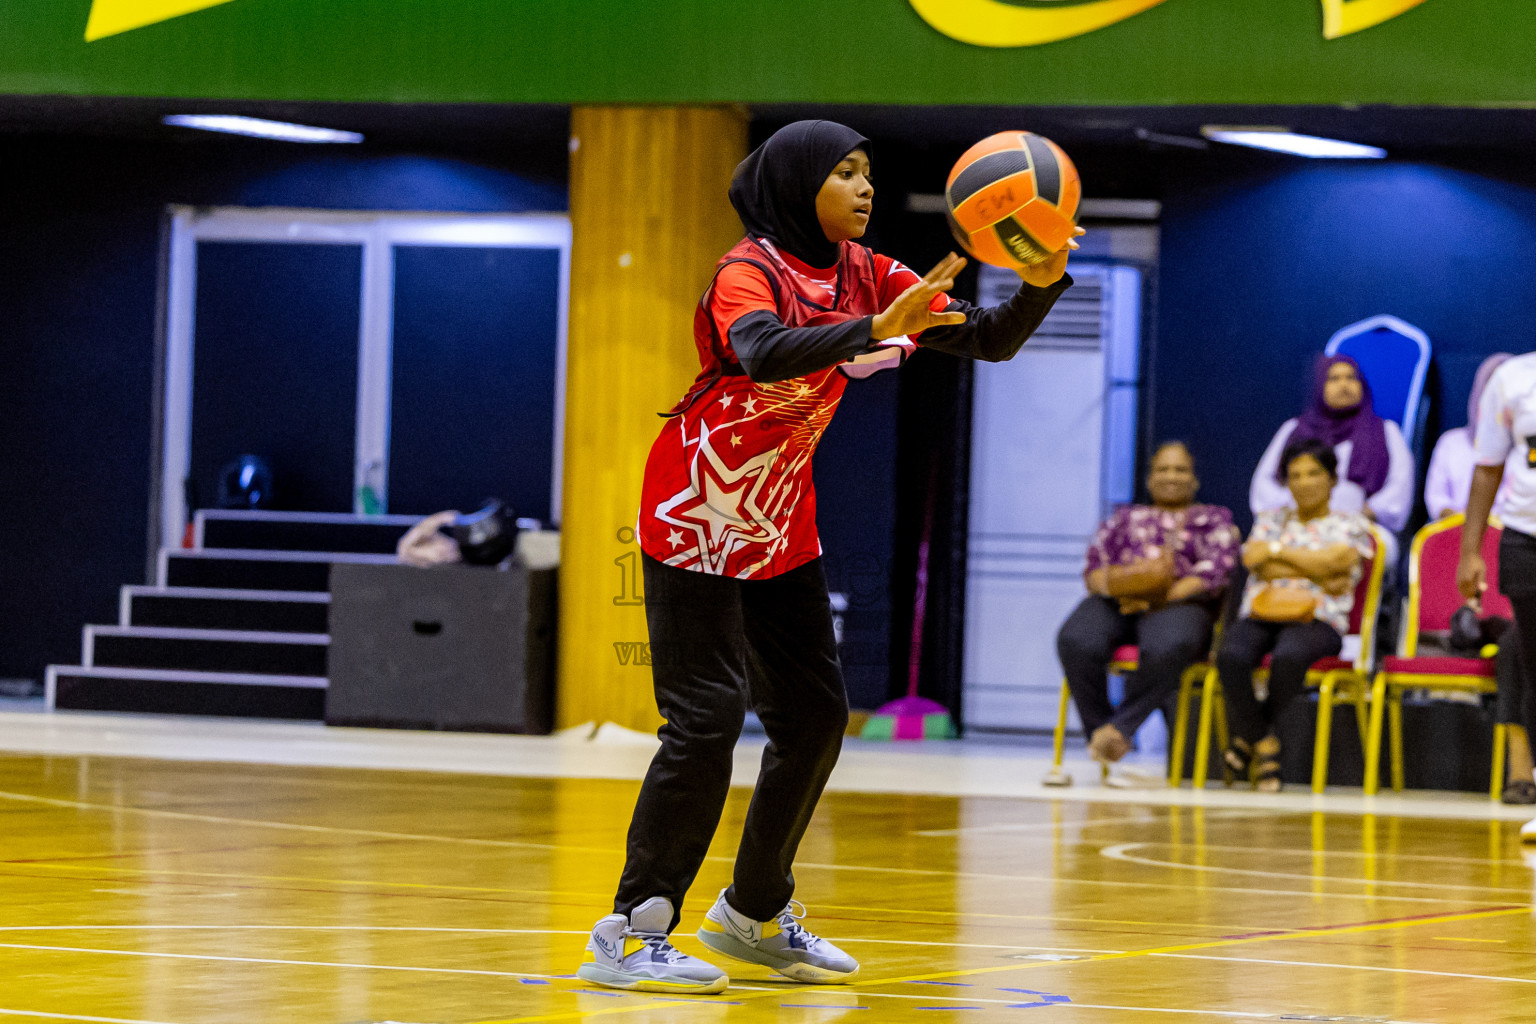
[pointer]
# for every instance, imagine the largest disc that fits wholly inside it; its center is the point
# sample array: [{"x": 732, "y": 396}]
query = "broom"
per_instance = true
[{"x": 913, "y": 717}]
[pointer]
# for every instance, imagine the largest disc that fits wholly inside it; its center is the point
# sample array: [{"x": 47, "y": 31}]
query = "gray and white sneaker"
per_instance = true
[
  {"x": 782, "y": 944},
  {"x": 633, "y": 953}
]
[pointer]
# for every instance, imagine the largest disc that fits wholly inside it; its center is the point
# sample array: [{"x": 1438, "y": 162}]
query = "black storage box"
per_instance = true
[{"x": 452, "y": 647}]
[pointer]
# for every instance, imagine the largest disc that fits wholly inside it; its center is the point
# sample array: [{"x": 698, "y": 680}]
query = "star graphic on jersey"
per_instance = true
[
  {"x": 735, "y": 440},
  {"x": 674, "y": 538},
  {"x": 749, "y": 406},
  {"x": 725, "y": 403},
  {"x": 721, "y": 505}
]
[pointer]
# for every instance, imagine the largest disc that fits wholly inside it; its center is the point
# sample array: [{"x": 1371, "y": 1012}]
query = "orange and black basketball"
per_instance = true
[{"x": 1013, "y": 199}]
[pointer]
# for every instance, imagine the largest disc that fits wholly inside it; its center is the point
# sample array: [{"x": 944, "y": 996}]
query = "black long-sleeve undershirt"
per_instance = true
[
  {"x": 770, "y": 352},
  {"x": 995, "y": 333}
]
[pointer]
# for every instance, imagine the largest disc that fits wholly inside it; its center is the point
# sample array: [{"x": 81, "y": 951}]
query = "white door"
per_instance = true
[{"x": 1052, "y": 449}]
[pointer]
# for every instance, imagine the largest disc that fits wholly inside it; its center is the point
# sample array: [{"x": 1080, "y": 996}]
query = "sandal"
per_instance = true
[
  {"x": 1266, "y": 765},
  {"x": 1519, "y": 791},
  {"x": 1238, "y": 757}
]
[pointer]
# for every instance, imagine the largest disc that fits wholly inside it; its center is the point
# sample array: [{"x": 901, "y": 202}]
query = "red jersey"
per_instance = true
[{"x": 728, "y": 482}]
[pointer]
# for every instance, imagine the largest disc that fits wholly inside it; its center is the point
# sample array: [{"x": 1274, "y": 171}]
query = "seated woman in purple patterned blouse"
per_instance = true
[{"x": 1155, "y": 575}]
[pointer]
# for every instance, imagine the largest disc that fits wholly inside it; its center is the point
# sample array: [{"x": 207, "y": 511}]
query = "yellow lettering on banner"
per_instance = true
[
  {"x": 1344, "y": 17},
  {"x": 994, "y": 23},
  {"x": 109, "y": 17}
]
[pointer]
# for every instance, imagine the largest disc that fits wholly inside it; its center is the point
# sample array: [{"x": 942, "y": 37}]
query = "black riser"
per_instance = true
[
  {"x": 84, "y": 693},
  {"x": 374, "y": 538},
  {"x": 246, "y": 574},
  {"x": 209, "y": 655},
  {"x": 228, "y": 613}
]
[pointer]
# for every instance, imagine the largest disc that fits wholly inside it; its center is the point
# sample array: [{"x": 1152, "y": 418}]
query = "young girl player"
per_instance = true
[{"x": 735, "y": 598}]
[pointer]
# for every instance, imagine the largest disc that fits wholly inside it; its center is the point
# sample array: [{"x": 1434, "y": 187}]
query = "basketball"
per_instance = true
[{"x": 1012, "y": 199}]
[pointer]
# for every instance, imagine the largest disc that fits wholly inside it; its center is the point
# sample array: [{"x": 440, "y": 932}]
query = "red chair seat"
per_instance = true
[{"x": 1440, "y": 666}]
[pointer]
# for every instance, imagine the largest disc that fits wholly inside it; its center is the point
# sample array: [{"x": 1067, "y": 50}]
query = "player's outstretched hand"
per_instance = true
[
  {"x": 1048, "y": 273},
  {"x": 909, "y": 312}
]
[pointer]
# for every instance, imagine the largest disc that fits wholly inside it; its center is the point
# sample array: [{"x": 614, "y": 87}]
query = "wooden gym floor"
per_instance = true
[{"x": 142, "y": 890}]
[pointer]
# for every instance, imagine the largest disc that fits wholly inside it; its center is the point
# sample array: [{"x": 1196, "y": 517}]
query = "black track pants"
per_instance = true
[{"x": 719, "y": 646}]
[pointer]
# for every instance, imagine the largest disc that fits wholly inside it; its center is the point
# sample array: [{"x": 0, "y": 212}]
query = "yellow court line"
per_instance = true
[{"x": 1303, "y": 933}]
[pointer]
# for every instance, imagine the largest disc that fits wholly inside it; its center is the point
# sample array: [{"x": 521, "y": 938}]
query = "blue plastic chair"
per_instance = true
[{"x": 1393, "y": 358}]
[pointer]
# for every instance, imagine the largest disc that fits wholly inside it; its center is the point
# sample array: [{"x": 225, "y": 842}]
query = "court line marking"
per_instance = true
[
  {"x": 1119, "y": 852},
  {"x": 284, "y": 928},
  {"x": 217, "y": 819},
  {"x": 73, "y": 1016},
  {"x": 33, "y": 864},
  {"x": 1150, "y": 818},
  {"x": 1270, "y": 851},
  {"x": 808, "y": 865},
  {"x": 1350, "y": 967},
  {"x": 263, "y": 960},
  {"x": 476, "y": 931},
  {"x": 1301, "y": 933}
]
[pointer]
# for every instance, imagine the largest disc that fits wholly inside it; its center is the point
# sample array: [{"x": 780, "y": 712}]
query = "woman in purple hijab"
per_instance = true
[{"x": 1376, "y": 473}]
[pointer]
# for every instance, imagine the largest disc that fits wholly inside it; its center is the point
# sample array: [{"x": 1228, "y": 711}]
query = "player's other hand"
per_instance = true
[
  {"x": 1048, "y": 273},
  {"x": 910, "y": 313}
]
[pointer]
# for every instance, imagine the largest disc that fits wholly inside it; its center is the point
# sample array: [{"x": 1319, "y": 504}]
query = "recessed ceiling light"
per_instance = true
[
  {"x": 1282, "y": 141},
  {"x": 233, "y": 124}
]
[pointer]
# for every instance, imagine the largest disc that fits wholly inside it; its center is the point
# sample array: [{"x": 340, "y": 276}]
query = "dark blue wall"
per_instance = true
[
  {"x": 80, "y": 237},
  {"x": 1262, "y": 263}
]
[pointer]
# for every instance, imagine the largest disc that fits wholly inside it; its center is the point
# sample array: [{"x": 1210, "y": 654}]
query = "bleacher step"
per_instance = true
[
  {"x": 235, "y": 569},
  {"x": 172, "y": 692},
  {"x": 289, "y": 611},
  {"x": 299, "y": 531},
  {"x": 205, "y": 650}
]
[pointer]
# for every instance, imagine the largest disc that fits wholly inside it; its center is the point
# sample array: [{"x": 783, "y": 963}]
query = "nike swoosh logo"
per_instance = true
[
  {"x": 744, "y": 934},
  {"x": 608, "y": 948}
]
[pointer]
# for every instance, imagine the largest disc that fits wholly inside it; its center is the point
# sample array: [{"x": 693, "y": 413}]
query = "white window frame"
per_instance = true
[{"x": 376, "y": 233}]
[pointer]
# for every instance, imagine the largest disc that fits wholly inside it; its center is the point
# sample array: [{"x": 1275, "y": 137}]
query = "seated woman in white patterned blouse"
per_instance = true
[{"x": 1303, "y": 564}]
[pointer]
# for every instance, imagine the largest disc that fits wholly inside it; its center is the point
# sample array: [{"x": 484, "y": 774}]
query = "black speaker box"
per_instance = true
[{"x": 459, "y": 647}]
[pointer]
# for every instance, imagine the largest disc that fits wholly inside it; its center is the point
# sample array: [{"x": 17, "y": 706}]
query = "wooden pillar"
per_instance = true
[{"x": 649, "y": 219}]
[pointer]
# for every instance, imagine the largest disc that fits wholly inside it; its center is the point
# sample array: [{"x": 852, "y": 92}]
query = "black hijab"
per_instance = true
[{"x": 774, "y": 188}]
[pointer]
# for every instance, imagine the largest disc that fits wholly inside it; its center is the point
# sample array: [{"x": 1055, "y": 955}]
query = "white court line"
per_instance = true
[
  {"x": 803, "y": 865},
  {"x": 1349, "y": 967},
  {"x": 261, "y": 960},
  {"x": 1150, "y": 818},
  {"x": 1024, "y": 998},
  {"x": 1270, "y": 851},
  {"x": 1118, "y": 852},
  {"x": 73, "y": 1016},
  {"x": 474, "y": 931},
  {"x": 278, "y": 927}
]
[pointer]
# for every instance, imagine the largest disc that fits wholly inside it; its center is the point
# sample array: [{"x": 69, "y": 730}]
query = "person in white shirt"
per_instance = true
[
  {"x": 1445, "y": 493},
  {"x": 1505, "y": 448},
  {"x": 1376, "y": 472},
  {"x": 1451, "y": 464}
]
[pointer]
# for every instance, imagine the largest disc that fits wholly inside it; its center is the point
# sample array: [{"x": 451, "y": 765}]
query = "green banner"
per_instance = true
[{"x": 1089, "y": 52}]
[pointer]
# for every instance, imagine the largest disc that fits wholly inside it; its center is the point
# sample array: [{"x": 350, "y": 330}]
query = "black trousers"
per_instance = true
[
  {"x": 719, "y": 645},
  {"x": 1294, "y": 645},
  {"x": 1517, "y": 580},
  {"x": 1170, "y": 640}
]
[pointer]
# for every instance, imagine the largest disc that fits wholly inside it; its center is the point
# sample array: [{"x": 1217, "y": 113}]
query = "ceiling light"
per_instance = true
[
  {"x": 1282, "y": 141},
  {"x": 260, "y": 128}
]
